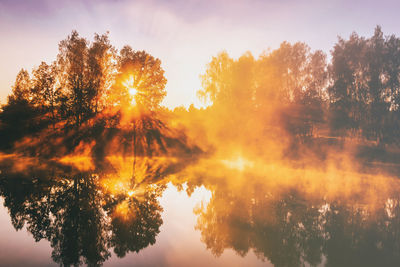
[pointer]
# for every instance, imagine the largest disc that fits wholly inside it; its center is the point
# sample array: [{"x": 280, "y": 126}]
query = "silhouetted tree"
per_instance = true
[
  {"x": 85, "y": 71},
  {"x": 22, "y": 87},
  {"x": 45, "y": 92},
  {"x": 142, "y": 74},
  {"x": 364, "y": 89},
  {"x": 20, "y": 117}
]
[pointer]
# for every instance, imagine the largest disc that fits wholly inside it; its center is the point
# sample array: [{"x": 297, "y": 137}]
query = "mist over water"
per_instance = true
[
  {"x": 224, "y": 210},
  {"x": 293, "y": 163}
]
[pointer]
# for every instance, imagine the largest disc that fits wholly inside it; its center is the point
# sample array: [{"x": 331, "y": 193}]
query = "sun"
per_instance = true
[
  {"x": 129, "y": 83},
  {"x": 132, "y": 91}
]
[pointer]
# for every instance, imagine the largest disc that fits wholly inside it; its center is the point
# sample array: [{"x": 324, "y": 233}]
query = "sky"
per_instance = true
[{"x": 184, "y": 34}]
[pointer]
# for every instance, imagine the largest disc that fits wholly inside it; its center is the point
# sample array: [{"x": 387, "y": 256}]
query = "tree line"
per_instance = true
[
  {"x": 87, "y": 79},
  {"x": 356, "y": 93}
]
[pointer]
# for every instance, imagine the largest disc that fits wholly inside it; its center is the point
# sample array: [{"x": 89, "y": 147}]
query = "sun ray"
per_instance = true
[{"x": 130, "y": 84}]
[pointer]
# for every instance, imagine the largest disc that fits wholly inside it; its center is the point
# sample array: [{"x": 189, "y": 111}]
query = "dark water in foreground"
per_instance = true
[{"x": 215, "y": 212}]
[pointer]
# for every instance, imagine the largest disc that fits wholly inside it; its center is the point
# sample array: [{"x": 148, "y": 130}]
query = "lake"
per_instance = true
[{"x": 195, "y": 212}]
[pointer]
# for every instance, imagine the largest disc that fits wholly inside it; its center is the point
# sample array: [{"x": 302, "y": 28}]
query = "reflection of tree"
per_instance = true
[
  {"x": 358, "y": 237},
  {"x": 79, "y": 219},
  {"x": 289, "y": 229},
  {"x": 137, "y": 224},
  {"x": 281, "y": 230},
  {"x": 24, "y": 201},
  {"x": 79, "y": 228},
  {"x": 291, "y": 235}
]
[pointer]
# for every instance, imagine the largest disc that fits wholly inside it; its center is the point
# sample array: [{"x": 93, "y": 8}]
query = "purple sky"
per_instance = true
[{"x": 184, "y": 34}]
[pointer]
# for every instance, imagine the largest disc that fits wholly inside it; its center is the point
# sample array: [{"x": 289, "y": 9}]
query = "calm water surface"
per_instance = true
[{"x": 215, "y": 212}]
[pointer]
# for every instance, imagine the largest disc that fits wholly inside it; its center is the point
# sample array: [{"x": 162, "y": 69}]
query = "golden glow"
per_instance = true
[
  {"x": 129, "y": 83},
  {"x": 81, "y": 157},
  {"x": 239, "y": 163},
  {"x": 130, "y": 193},
  {"x": 123, "y": 211},
  {"x": 82, "y": 163},
  {"x": 115, "y": 184},
  {"x": 328, "y": 183},
  {"x": 132, "y": 91},
  {"x": 132, "y": 87}
]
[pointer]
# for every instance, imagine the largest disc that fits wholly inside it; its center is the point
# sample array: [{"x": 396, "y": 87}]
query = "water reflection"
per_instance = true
[
  {"x": 299, "y": 222},
  {"x": 79, "y": 218},
  {"x": 290, "y": 230},
  {"x": 292, "y": 221}
]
